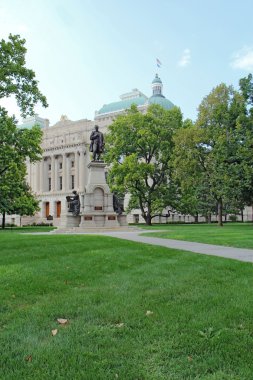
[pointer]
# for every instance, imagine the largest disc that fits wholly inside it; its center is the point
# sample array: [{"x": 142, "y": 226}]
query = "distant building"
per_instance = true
[{"x": 29, "y": 122}]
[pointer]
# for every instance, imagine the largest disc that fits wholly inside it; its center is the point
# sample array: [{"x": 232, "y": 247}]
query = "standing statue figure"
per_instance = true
[
  {"x": 74, "y": 203},
  {"x": 97, "y": 143}
]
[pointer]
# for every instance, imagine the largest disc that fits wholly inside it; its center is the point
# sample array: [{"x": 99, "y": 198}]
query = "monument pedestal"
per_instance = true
[
  {"x": 98, "y": 200},
  {"x": 98, "y": 211},
  {"x": 69, "y": 221}
]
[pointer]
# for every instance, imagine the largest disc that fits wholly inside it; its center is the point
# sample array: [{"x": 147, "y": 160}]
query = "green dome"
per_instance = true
[
  {"x": 162, "y": 101},
  {"x": 122, "y": 105}
]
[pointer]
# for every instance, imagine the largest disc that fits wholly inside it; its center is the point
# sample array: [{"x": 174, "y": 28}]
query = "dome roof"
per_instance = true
[
  {"x": 122, "y": 105},
  {"x": 156, "y": 79},
  {"x": 162, "y": 101}
]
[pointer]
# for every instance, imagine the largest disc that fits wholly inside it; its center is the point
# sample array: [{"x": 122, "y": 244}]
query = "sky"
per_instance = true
[{"x": 86, "y": 53}]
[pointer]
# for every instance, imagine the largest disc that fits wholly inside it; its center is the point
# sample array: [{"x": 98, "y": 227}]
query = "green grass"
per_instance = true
[
  {"x": 232, "y": 235},
  {"x": 201, "y": 326},
  {"x": 27, "y": 229}
]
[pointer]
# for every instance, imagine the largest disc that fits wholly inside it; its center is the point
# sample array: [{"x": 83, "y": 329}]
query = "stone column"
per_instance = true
[
  {"x": 53, "y": 173},
  {"x": 64, "y": 158},
  {"x": 45, "y": 176},
  {"x": 42, "y": 175},
  {"x": 82, "y": 170},
  {"x": 56, "y": 167},
  {"x": 77, "y": 154},
  {"x": 36, "y": 168},
  {"x": 67, "y": 173}
]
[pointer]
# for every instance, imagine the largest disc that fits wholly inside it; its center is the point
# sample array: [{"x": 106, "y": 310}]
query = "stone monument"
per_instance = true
[{"x": 100, "y": 208}]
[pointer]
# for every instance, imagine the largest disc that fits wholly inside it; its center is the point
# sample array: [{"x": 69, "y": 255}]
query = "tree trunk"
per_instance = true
[
  {"x": 209, "y": 218},
  {"x": 242, "y": 217},
  {"x": 148, "y": 219},
  {"x": 196, "y": 218},
  {"x": 220, "y": 212},
  {"x": 3, "y": 220}
]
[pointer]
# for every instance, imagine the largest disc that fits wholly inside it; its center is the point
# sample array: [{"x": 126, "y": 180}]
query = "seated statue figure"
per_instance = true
[{"x": 74, "y": 203}]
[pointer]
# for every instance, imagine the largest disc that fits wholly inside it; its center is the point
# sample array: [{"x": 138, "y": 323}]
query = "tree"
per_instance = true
[
  {"x": 207, "y": 154},
  {"x": 16, "y": 79},
  {"x": 139, "y": 147},
  {"x": 17, "y": 145},
  {"x": 25, "y": 204},
  {"x": 189, "y": 173},
  {"x": 16, "y": 196}
]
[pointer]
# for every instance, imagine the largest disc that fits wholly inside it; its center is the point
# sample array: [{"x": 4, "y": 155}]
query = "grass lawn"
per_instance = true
[
  {"x": 27, "y": 229},
  {"x": 200, "y": 323},
  {"x": 231, "y": 234}
]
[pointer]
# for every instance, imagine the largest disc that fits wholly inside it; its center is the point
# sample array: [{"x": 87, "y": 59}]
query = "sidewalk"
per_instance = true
[{"x": 240, "y": 254}]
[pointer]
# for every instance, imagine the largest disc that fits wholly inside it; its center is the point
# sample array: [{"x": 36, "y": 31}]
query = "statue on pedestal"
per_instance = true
[
  {"x": 97, "y": 144},
  {"x": 73, "y": 203}
]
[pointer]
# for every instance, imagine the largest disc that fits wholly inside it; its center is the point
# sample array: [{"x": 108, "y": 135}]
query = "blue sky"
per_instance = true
[{"x": 88, "y": 52}]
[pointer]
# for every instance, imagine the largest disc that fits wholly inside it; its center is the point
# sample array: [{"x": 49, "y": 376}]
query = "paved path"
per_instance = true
[{"x": 241, "y": 254}]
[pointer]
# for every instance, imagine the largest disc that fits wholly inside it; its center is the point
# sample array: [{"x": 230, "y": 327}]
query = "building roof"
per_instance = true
[
  {"x": 162, "y": 101},
  {"x": 29, "y": 122},
  {"x": 122, "y": 105}
]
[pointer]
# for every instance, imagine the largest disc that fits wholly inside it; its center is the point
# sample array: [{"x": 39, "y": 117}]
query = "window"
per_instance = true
[
  {"x": 49, "y": 167},
  {"x": 72, "y": 182},
  {"x": 60, "y": 165},
  {"x": 49, "y": 184},
  {"x": 72, "y": 164},
  {"x": 60, "y": 182}
]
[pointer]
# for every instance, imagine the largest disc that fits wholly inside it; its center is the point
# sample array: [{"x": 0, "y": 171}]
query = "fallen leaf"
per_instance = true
[
  {"x": 54, "y": 332},
  {"x": 149, "y": 312},
  {"x": 62, "y": 321},
  {"x": 28, "y": 358},
  {"x": 119, "y": 325},
  {"x": 189, "y": 358}
]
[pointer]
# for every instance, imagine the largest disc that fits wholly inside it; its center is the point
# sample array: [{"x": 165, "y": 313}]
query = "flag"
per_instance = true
[{"x": 158, "y": 62}]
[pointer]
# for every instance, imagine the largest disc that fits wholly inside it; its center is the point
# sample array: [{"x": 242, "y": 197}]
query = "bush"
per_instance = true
[
  {"x": 232, "y": 218},
  {"x": 42, "y": 224}
]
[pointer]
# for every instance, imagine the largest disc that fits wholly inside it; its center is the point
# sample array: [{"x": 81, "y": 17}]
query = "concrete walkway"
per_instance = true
[
  {"x": 240, "y": 254},
  {"x": 205, "y": 249}
]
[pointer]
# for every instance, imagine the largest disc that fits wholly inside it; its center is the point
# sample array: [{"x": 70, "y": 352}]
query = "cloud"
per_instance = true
[
  {"x": 243, "y": 59},
  {"x": 185, "y": 59}
]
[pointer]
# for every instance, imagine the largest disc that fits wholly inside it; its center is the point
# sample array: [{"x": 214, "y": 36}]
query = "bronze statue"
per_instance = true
[
  {"x": 118, "y": 204},
  {"x": 74, "y": 203},
  {"x": 97, "y": 144}
]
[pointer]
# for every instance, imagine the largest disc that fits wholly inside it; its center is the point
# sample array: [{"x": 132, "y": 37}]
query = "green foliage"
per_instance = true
[
  {"x": 15, "y": 78},
  {"x": 212, "y": 159},
  {"x": 17, "y": 145},
  {"x": 139, "y": 147}
]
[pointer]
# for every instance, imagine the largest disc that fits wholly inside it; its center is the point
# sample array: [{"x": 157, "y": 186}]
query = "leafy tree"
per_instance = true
[
  {"x": 190, "y": 173},
  {"x": 17, "y": 145},
  {"x": 16, "y": 196},
  {"x": 139, "y": 148},
  {"x": 15, "y": 78},
  {"x": 207, "y": 154}
]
